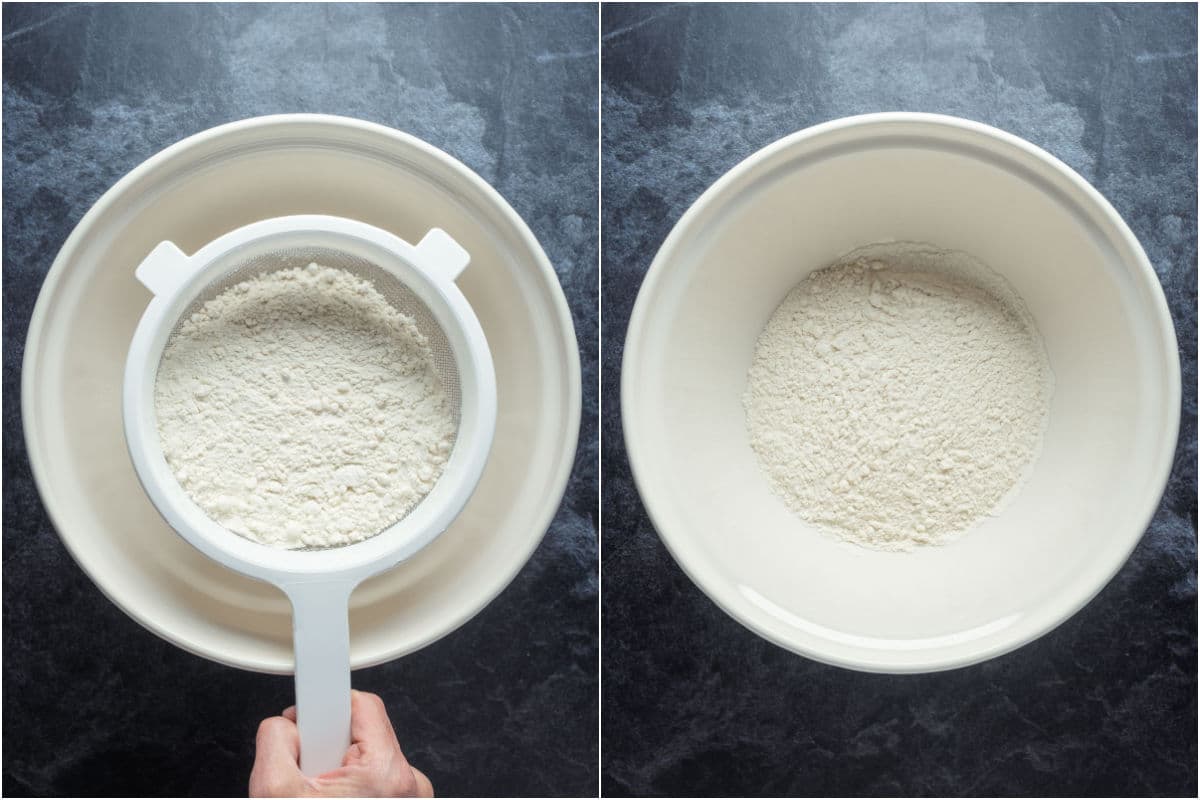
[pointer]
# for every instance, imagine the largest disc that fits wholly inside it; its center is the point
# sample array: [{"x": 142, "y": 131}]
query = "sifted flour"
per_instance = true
[
  {"x": 299, "y": 408},
  {"x": 896, "y": 397}
]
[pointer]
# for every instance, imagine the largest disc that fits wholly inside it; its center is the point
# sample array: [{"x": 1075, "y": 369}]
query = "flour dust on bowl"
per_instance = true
[
  {"x": 1084, "y": 483},
  {"x": 305, "y": 277}
]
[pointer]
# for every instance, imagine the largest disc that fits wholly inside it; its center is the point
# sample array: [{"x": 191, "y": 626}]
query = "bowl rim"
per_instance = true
[
  {"x": 725, "y": 189},
  {"x": 205, "y": 147}
]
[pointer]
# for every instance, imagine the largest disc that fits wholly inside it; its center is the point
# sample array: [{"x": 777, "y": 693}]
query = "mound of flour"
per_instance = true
[
  {"x": 896, "y": 397},
  {"x": 300, "y": 409}
]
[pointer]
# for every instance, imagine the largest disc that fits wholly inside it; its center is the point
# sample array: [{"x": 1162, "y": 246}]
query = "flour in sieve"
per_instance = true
[
  {"x": 299, "y": 408},
  {"x": 896, "y": 397}
]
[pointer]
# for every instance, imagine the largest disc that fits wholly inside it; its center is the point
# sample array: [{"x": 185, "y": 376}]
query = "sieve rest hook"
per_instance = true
[
  {"x": 165, "y": 268},
  {"x": 441, "y": 255}
]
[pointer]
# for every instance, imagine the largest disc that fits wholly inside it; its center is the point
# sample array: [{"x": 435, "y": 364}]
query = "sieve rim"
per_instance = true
[{"x": 429, "y": 271}]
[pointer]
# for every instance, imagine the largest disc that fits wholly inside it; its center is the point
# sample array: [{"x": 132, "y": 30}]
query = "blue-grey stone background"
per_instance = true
[
  {"x": 93, "y": 703},
  {"x": 693, "y": 703}
]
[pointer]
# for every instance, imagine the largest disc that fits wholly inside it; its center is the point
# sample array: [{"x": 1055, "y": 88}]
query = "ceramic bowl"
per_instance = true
[
  {"x": 796, "y": 206},
  {"x": 192, "y": 193}
]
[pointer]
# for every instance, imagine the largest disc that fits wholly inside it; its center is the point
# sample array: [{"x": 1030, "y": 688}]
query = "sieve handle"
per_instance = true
[
  {"x": 321, "y": 638},
  {"x": 440, "y": 254}
]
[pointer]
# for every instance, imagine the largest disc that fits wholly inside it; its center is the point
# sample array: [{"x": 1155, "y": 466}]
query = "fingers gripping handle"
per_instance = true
[{"x": 321, "y": 637}]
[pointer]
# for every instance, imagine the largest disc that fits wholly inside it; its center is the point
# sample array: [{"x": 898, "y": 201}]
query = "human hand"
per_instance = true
[{"x": 373, "y": 766}]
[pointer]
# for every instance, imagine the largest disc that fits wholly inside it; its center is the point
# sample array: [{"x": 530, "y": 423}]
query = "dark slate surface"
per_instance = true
[
  {"x": 94, "y": 704},
  {"x": 694, "y": 704}
]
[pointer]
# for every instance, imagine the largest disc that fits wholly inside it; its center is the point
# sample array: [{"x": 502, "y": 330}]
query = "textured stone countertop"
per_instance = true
[
  {"x": 93, "y": 703},
  {"x": 695, "y": 704}
]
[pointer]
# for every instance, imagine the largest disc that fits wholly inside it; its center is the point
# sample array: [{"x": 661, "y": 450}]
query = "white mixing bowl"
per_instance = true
[
  {"x": 797, "y": 205},
  {"x": 195, "y": 191}
]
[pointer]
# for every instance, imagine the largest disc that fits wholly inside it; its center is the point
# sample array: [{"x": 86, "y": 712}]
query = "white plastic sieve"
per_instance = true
[{"x": 418, "y": 281}]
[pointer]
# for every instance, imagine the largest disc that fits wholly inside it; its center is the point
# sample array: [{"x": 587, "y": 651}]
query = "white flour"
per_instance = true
[
  {"x": 893, "y": 401},
  {"x": 300, "y": 409}
]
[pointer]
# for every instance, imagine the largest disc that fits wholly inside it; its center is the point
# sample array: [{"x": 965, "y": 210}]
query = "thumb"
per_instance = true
[
  {"x": 276, "y": 770},
  {"x": 424, "y": 786}
]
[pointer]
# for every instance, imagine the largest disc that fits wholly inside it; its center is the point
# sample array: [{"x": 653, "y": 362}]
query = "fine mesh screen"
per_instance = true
[{"x": 394, "y": 291}]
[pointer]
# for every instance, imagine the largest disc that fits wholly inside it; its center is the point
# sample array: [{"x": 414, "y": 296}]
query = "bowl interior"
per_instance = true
[{"x": 1086, "y": 499}]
